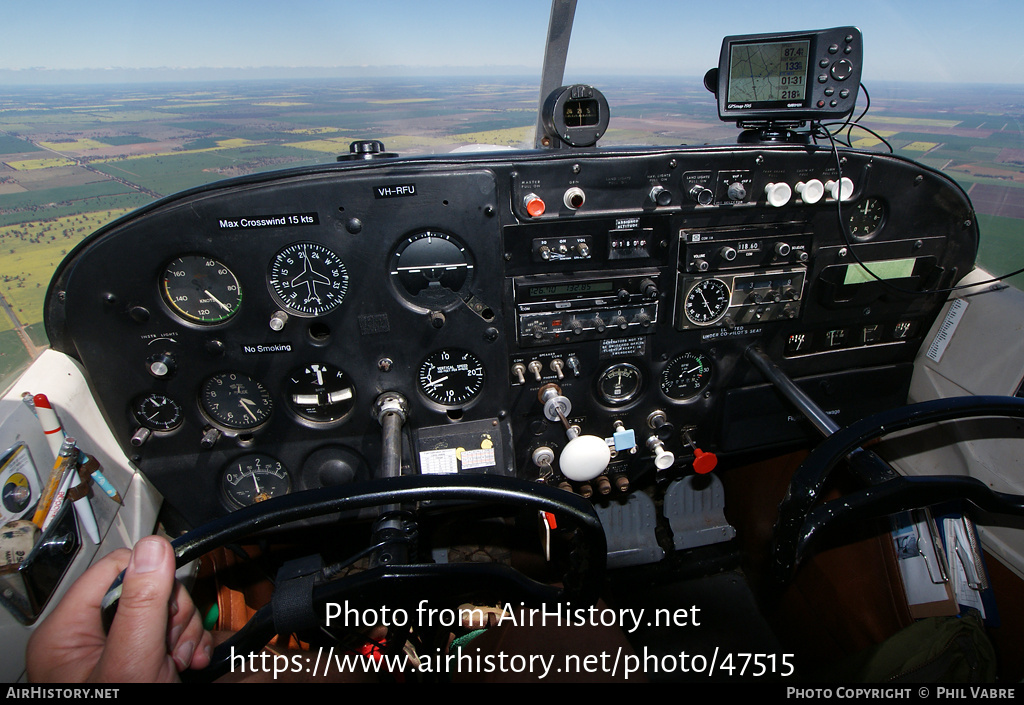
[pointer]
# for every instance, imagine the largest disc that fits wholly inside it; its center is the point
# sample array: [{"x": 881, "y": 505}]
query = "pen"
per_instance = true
[
  {"x": 65, "y": 462},
  {"x": 91, "y": 466}
]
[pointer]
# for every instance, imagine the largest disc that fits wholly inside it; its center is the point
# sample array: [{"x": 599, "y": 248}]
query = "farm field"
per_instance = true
[{"x": 72, "y": 158}]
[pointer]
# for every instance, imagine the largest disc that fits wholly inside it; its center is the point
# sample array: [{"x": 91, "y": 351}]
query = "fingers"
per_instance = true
[
  {"x": 187, "y": 642},
  {"x": 136, "y": 648}
]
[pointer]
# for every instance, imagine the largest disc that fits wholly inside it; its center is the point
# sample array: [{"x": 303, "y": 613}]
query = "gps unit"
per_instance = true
[{"x": 787, "y": 77}]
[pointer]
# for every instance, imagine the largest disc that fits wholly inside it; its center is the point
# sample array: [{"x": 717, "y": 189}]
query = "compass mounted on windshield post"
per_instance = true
[{"x": 574, "y": 116}]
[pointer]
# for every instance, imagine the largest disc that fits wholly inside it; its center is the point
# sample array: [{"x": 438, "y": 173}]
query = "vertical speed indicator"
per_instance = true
[{"x": 451, "y": 377}]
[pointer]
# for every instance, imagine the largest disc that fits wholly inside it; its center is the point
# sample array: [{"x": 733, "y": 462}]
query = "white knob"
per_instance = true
[
  {"x": 584, "y": 458},
  {"x": 834, "y": 189},
  {"x": 778, "y": 194},
  {"x": 810, "y": 191}
]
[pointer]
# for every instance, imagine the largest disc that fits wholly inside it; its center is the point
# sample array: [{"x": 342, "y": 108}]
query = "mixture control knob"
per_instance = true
[
  {"x": 841, "y": 190},
  {"x": 778, "y": 194},
  {"x": 736, "y": 191},
  {"x": 810, "y": 191},
  {"x": 728, "y": 253},
  {"x": 660, "y": 195},
  {"x": 702, "y": 195}
]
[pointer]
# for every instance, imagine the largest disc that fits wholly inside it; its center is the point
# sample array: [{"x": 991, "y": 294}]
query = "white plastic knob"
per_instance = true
[
  {"x": 778, "y": 194},
  {"x": 810, "y": 191},
  {"x": 834, "y": 189},
  {"x": 584, "y": 458}
]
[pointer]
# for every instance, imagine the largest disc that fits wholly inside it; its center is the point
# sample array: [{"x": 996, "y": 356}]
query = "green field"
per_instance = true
[
  {"x": 12, "y": 145},
  {"x": 1000, "y": 248}
]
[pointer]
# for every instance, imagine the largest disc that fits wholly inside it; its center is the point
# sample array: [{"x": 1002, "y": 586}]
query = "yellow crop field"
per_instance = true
[
  {"x": 221, "y": 144},
  {"x": 29, "y": 253},
  {"x": 930, "y": 122},
  {"x": 921, "y": 146},
  {"x": 74, "y": 146},
  {"x": 29, "y": 164}
]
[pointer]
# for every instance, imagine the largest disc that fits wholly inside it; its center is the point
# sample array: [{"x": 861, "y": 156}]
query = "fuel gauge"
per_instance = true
[{"x": 254, "y": 478}]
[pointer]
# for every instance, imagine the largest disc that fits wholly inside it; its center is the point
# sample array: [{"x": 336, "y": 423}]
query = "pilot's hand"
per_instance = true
[{"x": 156, "y": 632}]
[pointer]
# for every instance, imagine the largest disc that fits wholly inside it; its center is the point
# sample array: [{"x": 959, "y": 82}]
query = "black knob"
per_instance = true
[{"x": 649, "y": 289}]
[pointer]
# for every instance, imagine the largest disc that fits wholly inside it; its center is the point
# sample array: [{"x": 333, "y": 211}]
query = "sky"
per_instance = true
[{"x": 904, "y": 40}]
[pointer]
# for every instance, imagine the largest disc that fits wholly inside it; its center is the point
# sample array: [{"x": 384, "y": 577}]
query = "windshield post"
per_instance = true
[{"x": 555, "y": 50}]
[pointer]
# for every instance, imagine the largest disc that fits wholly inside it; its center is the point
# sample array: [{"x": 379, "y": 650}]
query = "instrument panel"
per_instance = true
[{"x": 237, "y": 336}]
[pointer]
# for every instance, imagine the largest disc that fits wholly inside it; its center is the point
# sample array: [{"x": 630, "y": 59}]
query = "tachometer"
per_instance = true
[
  {"x": 201, "y": 290},
  {"x": 451, "y": 377},
  {"x": 686, "y": 375},
  {"x": 254, "y": 478},
  {"x": 235, "y": 402},
  {"x": 308, "y": 278}
]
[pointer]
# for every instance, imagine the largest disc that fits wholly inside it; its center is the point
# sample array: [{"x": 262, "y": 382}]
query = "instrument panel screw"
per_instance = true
[{"x": 385, "y": 364}]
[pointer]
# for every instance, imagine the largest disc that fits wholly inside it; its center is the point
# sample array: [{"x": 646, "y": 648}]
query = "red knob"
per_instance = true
[
  {"x": 703, "y": 463},
  {"x": 534, "y": 205}
]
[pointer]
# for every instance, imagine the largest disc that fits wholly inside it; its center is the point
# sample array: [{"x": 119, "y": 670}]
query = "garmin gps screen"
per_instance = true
[{"x": 768, "y": 75}]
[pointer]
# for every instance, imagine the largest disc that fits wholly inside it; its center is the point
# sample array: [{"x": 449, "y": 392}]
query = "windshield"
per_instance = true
[{"x": 109, "y": 105}]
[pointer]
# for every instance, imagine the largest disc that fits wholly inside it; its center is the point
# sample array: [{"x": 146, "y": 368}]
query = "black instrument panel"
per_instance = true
[{"x": 238, "y": 335}]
